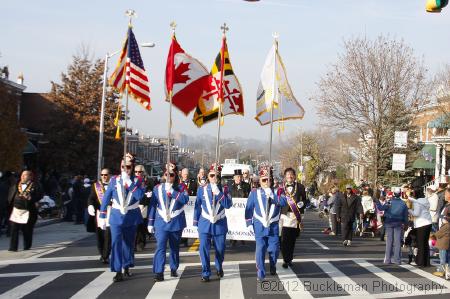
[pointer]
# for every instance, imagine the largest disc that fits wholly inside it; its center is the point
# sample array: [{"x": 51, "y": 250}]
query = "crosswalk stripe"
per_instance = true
[
  {"x": 95, "y": 287},
  {"x": 30, "y": 286},
  {"x": 342, "y": 280},
  {"x": 231, "y": 284},
  {"x": 320, "y": 244},
  {"x": 427, "y": 275},
  {"x": 289, "y": 278},
  {"x": 166, "y": 288}
]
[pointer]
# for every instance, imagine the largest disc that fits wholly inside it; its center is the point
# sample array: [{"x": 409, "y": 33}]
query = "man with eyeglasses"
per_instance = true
[
  {"x": 246, "y": 177},
  {"x": 262, "y": 214},
  {"x": 124, "y": 194},
  {"x": 166, "y": 220},
  {"x": 211, "y": 221},
  {"x": 94, "y": 202}
]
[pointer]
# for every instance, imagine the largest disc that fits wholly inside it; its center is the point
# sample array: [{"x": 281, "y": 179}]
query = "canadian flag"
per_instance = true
[{"x": 186, "y": 78}]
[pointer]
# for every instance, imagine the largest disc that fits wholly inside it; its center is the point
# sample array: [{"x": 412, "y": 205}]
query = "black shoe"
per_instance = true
[
  {"x": 13, "y": 250},
  {"x": 290, "y": 264},
  {"x": 285, "y": 265},
  {"x": 104, "y": 260},
  {"x": 127, "y": 272},
  {"x": 205, "y": 279},
  {"x": 410, "y": 258},
  {"x": 219, "y": 273},
  {"x": 273, "y": 270},
  {"x": 118, "y": 277},
  {"x": 159, "y": 277},
  {"x": 27, "y": 248},
  {"x": 173, "y": 273}
]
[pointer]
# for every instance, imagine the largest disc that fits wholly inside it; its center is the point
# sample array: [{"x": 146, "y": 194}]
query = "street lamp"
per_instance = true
[{"x": 102, "y": 110}]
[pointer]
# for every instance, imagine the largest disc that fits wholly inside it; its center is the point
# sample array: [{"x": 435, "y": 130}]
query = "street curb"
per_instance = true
[{"x": 48, "y": 222}]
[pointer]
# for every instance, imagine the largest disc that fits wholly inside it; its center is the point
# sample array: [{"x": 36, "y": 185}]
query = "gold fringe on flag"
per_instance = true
[
  {"x": 116, "y": 123},
  {"x": 117, "y": 137}
]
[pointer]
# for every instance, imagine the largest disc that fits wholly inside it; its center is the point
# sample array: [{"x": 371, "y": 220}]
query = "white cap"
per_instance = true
[
  {"x": 432, "y": 188},
  {"x": 397, "y": 190}
]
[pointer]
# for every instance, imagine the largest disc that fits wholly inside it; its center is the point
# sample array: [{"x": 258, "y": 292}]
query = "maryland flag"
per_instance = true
[
  {"x": 274, "y": 90},
  {"x": 223, "y": 87}
]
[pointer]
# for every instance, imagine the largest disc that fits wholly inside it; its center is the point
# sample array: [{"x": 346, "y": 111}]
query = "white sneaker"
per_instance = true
[
  {"x": 345, "y": 242},
  {"x": 349, "y": 242}
]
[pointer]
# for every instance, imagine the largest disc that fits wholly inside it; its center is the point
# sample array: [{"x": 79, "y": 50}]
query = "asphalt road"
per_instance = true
[{"x": 322, "y": 268}]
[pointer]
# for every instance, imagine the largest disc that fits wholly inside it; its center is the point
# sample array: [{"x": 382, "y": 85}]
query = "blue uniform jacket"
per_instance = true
[
  {"x": 131, "y": 214},
  {"x": 202, "y": 213},
  {"x": 253, "y": 212},
  {"x": 157, "y": 207}
]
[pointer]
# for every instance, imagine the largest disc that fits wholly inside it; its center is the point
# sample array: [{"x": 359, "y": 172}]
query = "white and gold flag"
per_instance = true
[{"x": 273, "y": 77}]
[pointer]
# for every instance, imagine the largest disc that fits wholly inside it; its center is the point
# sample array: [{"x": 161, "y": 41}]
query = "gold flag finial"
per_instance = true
[
  {"x": 173, "y": 26},
  {"x": 131, "y": 13}
]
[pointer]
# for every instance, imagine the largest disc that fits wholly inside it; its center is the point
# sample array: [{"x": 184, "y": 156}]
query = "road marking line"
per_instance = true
[
  {"x": 427, "y": 275},
  {"x": 320, "y": 244},
  {"x": 166, "y": 288},
  {"x": 230, "y": 283},
  {"x": 96, "y": 286},
  {"x": 47, "y": 252},
  {"x": 31, "y": 285},
  {"x": 342, "y": 279},
  {"x": 288, "y": 278},
  {"x": 194, "y": 246}
]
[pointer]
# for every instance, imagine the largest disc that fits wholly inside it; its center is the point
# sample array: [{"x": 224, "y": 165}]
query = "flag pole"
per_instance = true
[
  {"x": 173, "y": 25},
  {"x": 220, "y": 97},
  {"x": 274, "y": 93}
]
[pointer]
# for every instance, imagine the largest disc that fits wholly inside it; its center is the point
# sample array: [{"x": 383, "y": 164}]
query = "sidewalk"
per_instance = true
[{"x": 46, "y": 238}]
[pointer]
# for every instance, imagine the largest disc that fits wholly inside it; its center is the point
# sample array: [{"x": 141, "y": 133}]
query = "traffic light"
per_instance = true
[{"x": 435, "y": 5}]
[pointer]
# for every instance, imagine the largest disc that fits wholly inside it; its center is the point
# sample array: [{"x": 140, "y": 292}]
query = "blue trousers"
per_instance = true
[
  {"x": 264, "y": 244},
  {"x": 159, "y": 260},
  {"x": 393, "y": 244},
  {"x": 205, "y": 246},
  {"x": 122, "y": 247}
]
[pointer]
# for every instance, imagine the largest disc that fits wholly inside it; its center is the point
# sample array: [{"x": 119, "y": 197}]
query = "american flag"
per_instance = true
[{"x": 130, "y": 72}]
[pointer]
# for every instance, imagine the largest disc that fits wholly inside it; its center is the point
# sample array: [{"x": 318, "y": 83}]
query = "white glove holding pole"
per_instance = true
[
  {"x": 91, "y": 210},
  {"x": 300, "y": 204},
  {"x": 215, "y": 189},
  {"x": 268, "y": 192},
  {"x": 151, "y": 229}
]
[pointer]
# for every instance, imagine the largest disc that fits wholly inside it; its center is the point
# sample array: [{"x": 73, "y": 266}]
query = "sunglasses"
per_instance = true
[
  {"x": 212, "y": 175},
  {"x": 138, "y": 171},
  {"x": 171, "y": 174},
  {"x": 127, "y": 167},
  {"x": 104, "y": 174},
  {"x": 264, "y": 180}
]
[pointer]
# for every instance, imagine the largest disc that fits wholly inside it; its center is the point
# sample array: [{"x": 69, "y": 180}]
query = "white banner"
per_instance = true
[
  {"x": 398, "y": 162},
  {"x": 237, "y": 229}
]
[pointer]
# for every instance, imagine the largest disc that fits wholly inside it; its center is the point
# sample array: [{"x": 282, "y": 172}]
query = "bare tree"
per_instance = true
[
  {"x": 374, "y": 88},
  {"x": 442, "y": 91}
]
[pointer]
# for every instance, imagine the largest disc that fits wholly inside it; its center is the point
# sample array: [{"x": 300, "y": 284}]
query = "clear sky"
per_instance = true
[{"x": 39, "y": 38}]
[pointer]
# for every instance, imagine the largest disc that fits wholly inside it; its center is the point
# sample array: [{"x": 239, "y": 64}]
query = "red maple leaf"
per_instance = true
[{"x": 180, "y": 76}]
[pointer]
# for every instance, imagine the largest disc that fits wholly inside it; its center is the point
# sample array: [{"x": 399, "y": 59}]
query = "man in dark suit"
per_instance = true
[
  {"x": 349, "y": 208},
  {"x": 239, "y": 188}
]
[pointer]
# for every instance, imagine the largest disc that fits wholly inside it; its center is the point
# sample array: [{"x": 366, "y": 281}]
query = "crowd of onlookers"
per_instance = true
[{"x": 407, "y": 217}]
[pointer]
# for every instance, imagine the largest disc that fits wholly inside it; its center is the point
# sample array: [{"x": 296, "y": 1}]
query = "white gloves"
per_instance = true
[
  {"x": 300, "y": 204},
  {"x": 151, "y": 229},
  {"x": 268, "y": 192},
  {"x": 148, "y": 194},
  {"x": 91, "y": 210},
  {"x": 215, "y": 189},
  {"x": 102, "y": 223}
]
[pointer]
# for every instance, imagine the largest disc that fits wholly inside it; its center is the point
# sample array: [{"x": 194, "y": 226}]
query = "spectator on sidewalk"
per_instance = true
[
  {"x": 422, "y": 224},
  {"x": 433, "y": 199},
  {"x": 443, "y": 240},
  {"x": 24, "y": 198},
  {"x": 395, "y": 217}
]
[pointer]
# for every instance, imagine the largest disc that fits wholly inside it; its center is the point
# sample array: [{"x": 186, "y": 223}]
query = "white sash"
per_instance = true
[
  {"x": 123, "y": 207},
  {"x": 212, "y": 214},
  {"x": 270, "y": 219},
  {"x": 167, "y": 215},
  {"x": 124, "y": 210}
]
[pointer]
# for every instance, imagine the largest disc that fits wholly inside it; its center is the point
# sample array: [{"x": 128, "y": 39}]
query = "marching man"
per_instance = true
[
  {"x": 166, "y": 220},
  {"x": 125, "y": 193},
  {"x": 211, "y": 221},
  {"x": 94, "y": 202},
  {"x": 262, "y": 214}
]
